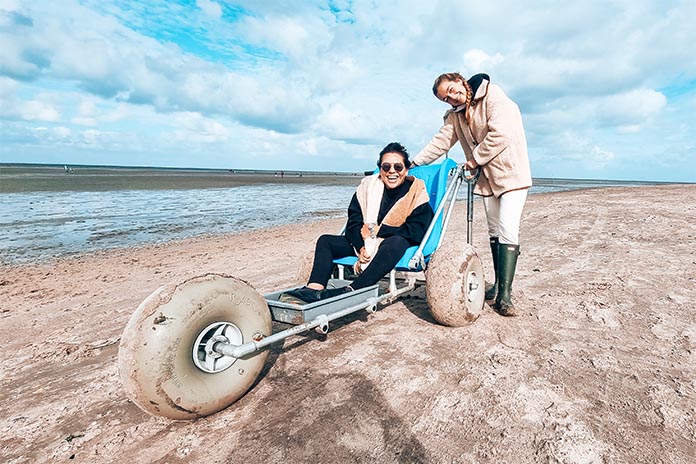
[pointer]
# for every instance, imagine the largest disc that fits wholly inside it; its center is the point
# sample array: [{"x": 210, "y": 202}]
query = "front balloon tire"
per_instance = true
[{"x": 166, "y": 362}]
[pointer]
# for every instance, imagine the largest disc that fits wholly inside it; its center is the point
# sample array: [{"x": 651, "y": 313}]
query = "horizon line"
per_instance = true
[{"x": 287, "y": 171}]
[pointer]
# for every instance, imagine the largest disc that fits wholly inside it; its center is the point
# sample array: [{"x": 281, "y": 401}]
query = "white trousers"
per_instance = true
[{"x": 504, "y": 215}]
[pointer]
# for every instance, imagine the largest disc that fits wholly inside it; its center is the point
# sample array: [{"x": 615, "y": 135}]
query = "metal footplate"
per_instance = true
[{"x": 294, "y": 313}]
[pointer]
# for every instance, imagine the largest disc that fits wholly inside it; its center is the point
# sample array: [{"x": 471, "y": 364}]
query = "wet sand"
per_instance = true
[
  {"x": 600, "y": 366},
  {"x": 55, "y": 179}
]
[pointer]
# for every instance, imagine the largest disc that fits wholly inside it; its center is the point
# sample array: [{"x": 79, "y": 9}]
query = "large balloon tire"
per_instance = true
[
  {"x": 455, "y": 285},
  {"x": 156, "y": 353}
]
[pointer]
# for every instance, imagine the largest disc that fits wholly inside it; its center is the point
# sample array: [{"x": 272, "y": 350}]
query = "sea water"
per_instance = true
[{"x": 40, "y": 225}]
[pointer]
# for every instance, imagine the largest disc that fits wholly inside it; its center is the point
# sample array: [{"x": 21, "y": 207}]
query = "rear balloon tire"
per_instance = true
[
  {"x": 165, "y": 359},
  {"x": 454, "y": 284}
]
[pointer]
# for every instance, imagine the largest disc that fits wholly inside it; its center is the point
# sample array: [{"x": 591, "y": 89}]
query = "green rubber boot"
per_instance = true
[
  {"x": 507, "y": 261},
  {"x": 492, "y": 289}
]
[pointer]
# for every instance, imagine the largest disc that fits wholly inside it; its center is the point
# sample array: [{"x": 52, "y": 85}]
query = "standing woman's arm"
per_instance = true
[{"x": 439, "y": 145}]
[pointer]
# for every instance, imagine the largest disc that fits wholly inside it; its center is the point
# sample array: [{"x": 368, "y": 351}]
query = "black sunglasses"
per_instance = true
[{"x": 386, "y": 167}]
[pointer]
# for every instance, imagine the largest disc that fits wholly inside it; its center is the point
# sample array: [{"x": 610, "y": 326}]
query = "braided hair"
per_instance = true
[{"x": 453, "y": 77}]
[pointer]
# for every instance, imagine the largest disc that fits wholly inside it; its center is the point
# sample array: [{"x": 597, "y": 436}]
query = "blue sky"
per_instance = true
[{"x": 607, "y": 89}]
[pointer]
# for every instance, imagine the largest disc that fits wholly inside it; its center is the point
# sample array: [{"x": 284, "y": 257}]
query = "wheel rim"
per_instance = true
[
  {"x": 473, "y": 286},
  {"x": 205, "y": 357}
]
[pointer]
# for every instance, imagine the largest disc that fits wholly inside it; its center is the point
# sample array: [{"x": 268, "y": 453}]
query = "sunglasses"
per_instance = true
[{"x": 386, "y": 167}]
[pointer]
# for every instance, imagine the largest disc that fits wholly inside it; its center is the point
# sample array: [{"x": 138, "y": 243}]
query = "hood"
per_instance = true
[{"x": 476, "y": 80}]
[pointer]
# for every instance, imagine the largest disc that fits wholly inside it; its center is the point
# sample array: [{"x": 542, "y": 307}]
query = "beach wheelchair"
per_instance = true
[{"x": 193, "y": 348}]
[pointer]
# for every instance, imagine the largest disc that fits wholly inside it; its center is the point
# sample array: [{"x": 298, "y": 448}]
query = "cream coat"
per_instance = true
[{"x": 494, "y": 139}]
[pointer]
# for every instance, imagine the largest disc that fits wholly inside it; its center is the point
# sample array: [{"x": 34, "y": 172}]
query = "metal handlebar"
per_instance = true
[
  {"x": 473, "y": 178},
  {"x": 470, "y": 181}
]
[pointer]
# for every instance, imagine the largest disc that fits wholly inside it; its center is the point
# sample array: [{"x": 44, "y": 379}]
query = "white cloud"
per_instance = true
[
  {"x": 629, "y": 129},
  {"x": 309, "y": 146},
  {"x": 632, "y": 107},
  {"x": 192, "y": 127},
  {"x": 300, "y": 39},
  {"x": 600, "y": 157},
  {"x": 11, "y": 107},
  {"x": 90, "y": 136},
  {"x": 478, "y": 59},
  {"x": 86, "y": 115},
  {"x": 107, "y": 59},
  {"x": 300, "y": 79},
  {"x": 350, "y": 126},
  {"x": 210, "y": 8},
  {"x": 38, "y": 111},
  {"x": 62, "y": 132}
]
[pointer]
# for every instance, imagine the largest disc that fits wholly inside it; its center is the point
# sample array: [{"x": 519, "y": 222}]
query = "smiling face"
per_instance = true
[
  {"x": 392, "y": 178},
  {"x": 452, "y": 92}
]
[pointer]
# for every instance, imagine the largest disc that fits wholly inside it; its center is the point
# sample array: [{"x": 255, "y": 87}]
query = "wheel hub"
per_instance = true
[
  {"x": 205, "y": 357},
  {"x": 473, "y": 286}
]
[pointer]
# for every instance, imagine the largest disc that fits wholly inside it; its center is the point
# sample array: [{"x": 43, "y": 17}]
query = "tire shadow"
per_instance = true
[
  {"x": 416, "y": 303},
  {"x": 351, "y": 421}
]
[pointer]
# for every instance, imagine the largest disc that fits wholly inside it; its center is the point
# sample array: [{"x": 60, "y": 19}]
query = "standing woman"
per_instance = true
[{"x": 488, "y": 125}]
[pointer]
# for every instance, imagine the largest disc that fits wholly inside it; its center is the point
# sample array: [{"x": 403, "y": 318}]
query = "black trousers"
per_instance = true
[{"x": 330, "y": 247}]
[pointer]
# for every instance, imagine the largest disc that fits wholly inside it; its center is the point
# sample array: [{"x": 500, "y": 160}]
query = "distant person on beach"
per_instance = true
[
  {"x": 389, "y": 212},
  {"x": 488, "y": 125}
]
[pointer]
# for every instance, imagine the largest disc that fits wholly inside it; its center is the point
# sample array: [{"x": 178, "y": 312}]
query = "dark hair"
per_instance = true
[
  {"x": 395, "y": 147},
  {"x": 447, "y": 77}
]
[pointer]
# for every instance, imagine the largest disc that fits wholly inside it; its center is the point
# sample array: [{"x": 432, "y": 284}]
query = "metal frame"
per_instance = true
[{"x": 321, "y": 322}]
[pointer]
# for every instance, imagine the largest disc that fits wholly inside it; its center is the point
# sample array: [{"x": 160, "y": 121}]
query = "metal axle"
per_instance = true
[{"x": 321, "y": 322}]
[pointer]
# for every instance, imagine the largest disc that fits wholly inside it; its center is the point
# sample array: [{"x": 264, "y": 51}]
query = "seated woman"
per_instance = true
[{"x": 389, "y": 213}]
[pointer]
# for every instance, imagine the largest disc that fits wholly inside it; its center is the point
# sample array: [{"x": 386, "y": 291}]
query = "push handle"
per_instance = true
[{"x": 471, "y": 178}]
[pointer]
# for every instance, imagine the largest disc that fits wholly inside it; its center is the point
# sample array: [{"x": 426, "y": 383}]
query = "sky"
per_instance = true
[{"x": 607, "y": 89}]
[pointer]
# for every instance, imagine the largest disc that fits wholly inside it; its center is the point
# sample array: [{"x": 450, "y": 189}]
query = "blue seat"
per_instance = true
[{"x": 435, "y": 177}]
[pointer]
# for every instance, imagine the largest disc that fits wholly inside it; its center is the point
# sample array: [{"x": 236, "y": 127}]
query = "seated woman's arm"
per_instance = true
[
  {"x": 414, "y": 228},
  {"x": 354, "y": 225}
]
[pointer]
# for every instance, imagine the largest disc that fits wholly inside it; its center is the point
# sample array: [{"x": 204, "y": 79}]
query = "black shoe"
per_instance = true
[
  {"x": 332, "y": 292},
  {"x": 306, "y": 294}
]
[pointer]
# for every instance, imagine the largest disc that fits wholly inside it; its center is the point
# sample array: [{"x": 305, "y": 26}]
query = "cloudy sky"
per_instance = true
[{"x": 607, "y": 88}]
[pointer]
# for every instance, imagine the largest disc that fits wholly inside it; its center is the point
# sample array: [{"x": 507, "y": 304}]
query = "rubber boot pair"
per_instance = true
[{"x": 505, "y": 273}]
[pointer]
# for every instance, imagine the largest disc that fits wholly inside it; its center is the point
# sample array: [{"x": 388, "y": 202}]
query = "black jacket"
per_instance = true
[{"x": 413, "y": 229}]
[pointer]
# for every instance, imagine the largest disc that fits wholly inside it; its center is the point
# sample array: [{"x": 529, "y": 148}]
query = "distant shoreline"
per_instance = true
[
  {"x": 270, "y": 172},
  {"x": 18, "y": 178},
  {"x": 34, "y": 167},
  {"x": 30, "y": 177}
]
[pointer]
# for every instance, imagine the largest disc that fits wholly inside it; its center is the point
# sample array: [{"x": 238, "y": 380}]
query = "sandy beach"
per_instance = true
[{"x": 600, "y": 366}]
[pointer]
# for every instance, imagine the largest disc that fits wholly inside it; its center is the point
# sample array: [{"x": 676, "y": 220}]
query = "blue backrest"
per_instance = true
[{"x": 435, "y": 177}]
